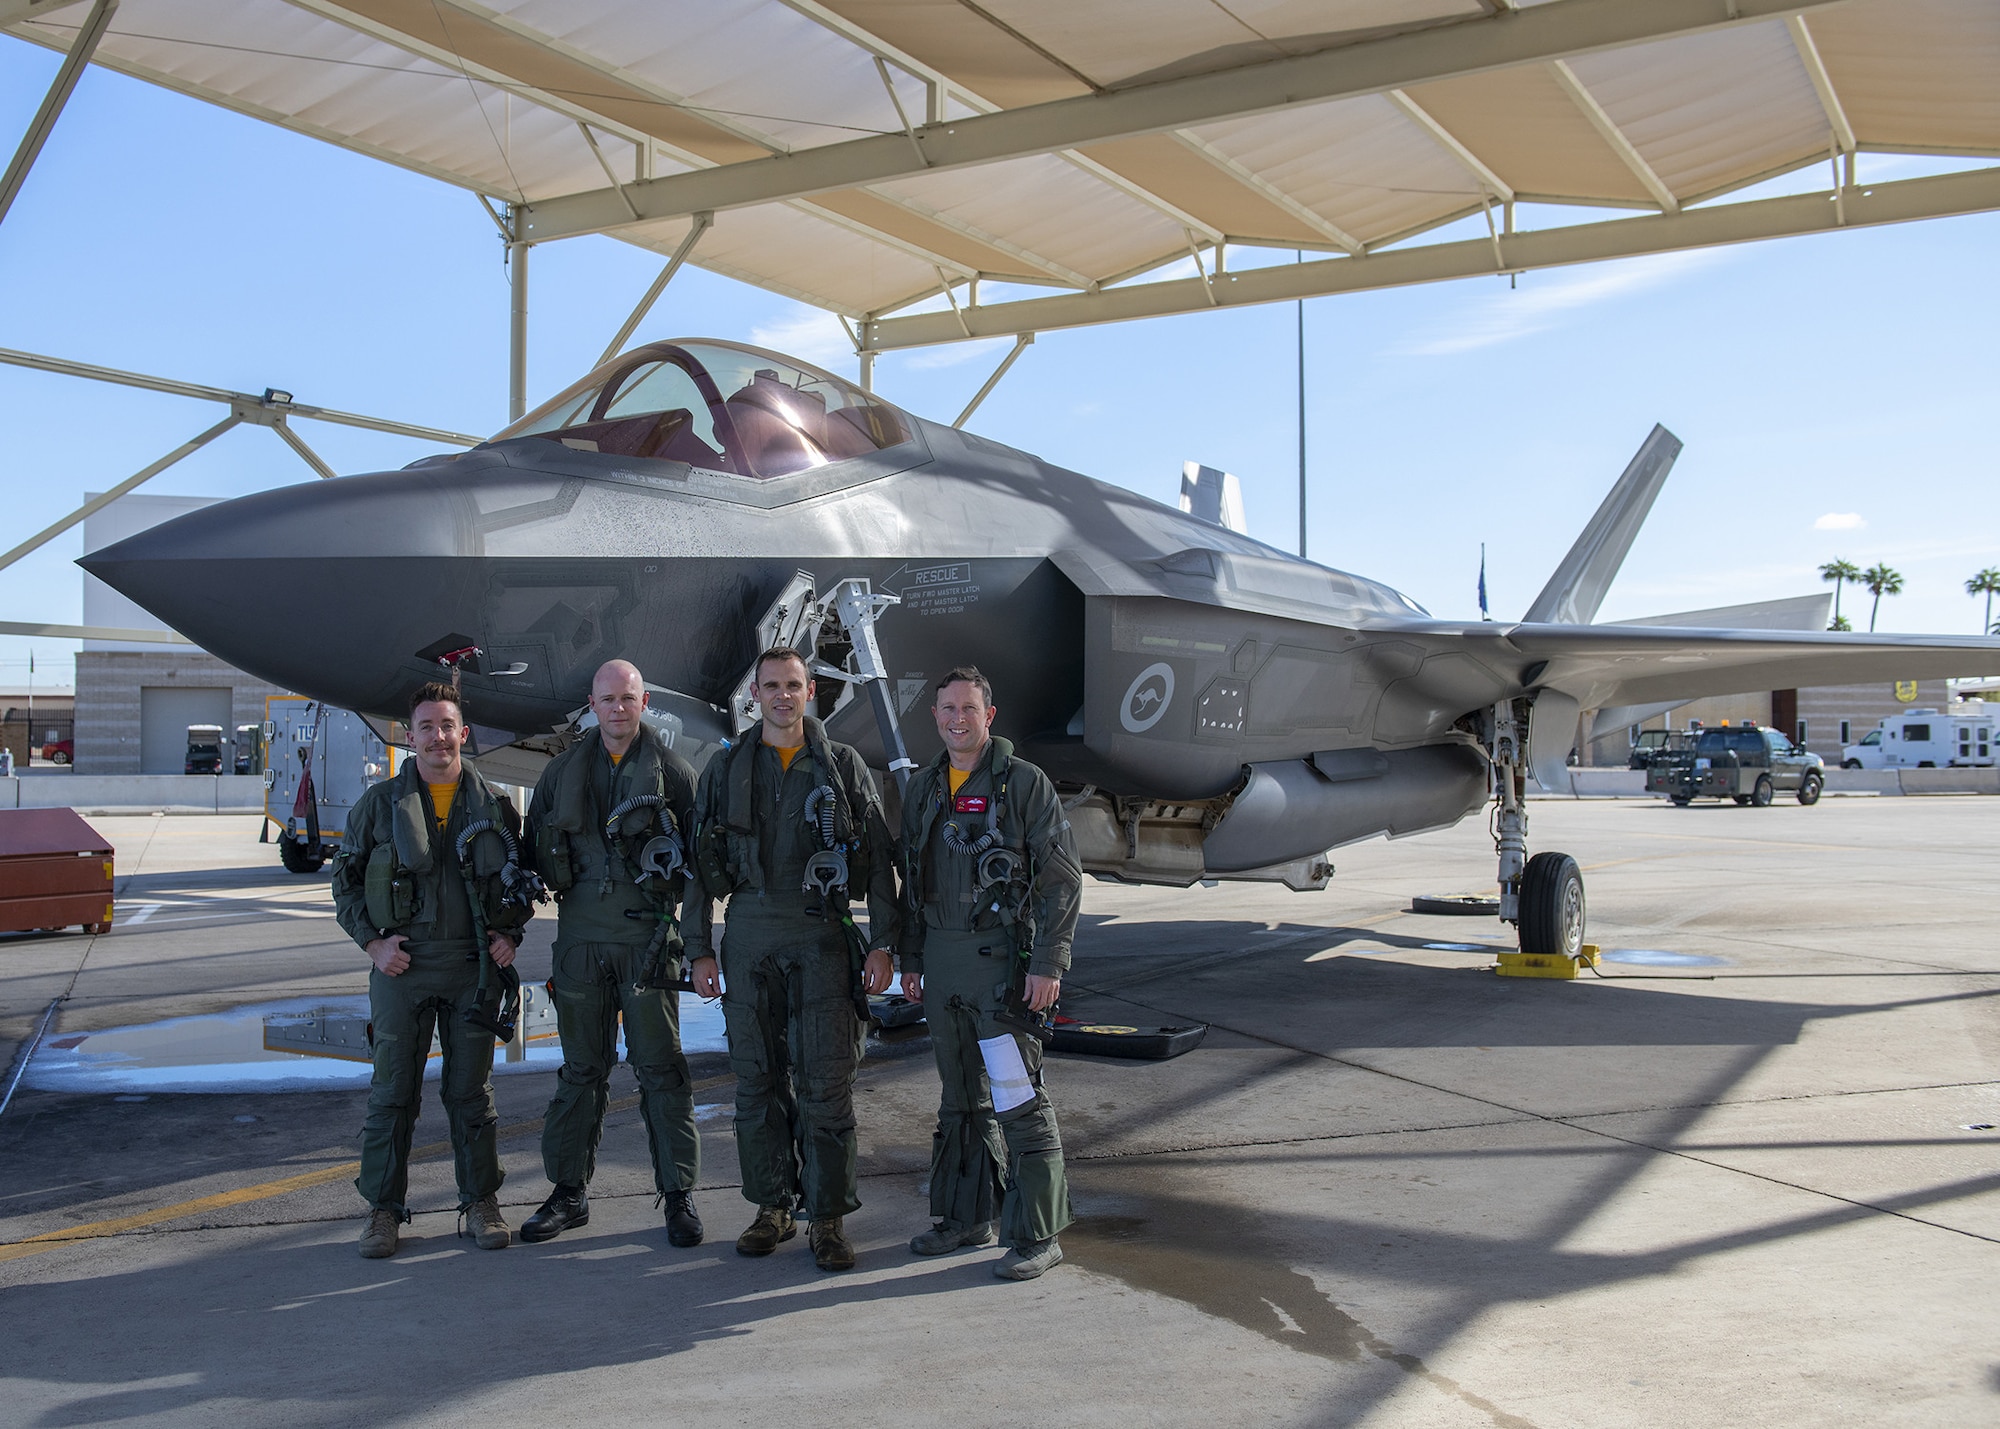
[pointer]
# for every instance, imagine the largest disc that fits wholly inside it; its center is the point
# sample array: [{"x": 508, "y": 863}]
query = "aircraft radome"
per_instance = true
[{"x": 1211, "y": 707}]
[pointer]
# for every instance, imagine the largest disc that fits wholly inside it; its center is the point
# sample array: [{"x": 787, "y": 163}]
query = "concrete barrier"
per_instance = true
[
  {"x": 138, "y": 793},
  {"x": 1949, "y": 781},
  {"x": 1862, "y": 781}
]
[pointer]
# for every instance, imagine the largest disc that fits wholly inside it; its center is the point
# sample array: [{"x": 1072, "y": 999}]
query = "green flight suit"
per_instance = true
[
  {"x": 985, "y": 1166},
  {"x": 601, "y": 955},
  {"x": 394, "y": 825},
  {"x": 789, "y": 973}
]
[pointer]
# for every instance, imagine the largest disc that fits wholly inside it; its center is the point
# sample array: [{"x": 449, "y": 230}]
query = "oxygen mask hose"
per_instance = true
[{"x": 497, "y": 1013}]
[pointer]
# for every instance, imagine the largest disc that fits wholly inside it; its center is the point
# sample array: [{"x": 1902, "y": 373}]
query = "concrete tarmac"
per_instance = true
[{"x": 1749, "y": 1180}]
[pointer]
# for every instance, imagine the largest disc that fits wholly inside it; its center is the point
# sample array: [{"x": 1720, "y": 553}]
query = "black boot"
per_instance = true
[
  {"x": 567, "y": 1207},
  {"x": 683, "y": 1221}
]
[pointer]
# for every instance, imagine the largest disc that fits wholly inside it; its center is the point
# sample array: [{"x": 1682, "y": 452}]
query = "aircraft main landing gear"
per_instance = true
[{"x": 1541, "y": 896}]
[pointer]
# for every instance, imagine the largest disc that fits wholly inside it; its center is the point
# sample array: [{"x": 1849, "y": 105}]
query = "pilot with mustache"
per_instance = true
[
  {"x": 414, "y": 880},
  {"x": 991, "y": 889},
  {"x": 788, "y": 828}
]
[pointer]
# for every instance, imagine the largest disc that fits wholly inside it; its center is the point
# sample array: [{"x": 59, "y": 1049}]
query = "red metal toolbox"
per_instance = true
[{"x": 55, "y": 871}]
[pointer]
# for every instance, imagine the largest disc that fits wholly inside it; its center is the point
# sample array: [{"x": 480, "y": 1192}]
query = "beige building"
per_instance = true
[{"x": 1822, "y": 719}]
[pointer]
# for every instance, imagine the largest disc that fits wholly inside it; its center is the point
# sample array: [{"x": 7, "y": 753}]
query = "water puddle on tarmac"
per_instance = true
[
  {"x": 1657, "y": 958},
  {"x": 306, "y": 1045}
]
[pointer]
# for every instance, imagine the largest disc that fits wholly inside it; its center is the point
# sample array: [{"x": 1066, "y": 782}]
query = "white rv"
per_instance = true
[{"x": 1960, "y": 738}]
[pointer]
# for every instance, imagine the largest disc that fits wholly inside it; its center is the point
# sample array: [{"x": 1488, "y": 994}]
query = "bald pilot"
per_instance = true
[{"x": 598, "y": 807}]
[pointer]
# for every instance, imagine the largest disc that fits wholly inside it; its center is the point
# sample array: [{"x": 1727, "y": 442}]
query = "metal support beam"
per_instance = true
[
  {"x": 1449, "y": 142},
  {"x": 71, "y": 70},
  {"x": 517, "y": 324},
  {"x": 137, "y": 479},
  {"x": 243, "y": 404},
  {"x": 1941, "y": 196},
  {"x": 306, "y": 454},
  {"x": 1822, "y": 83},
  {"x": 702, "y": 223},
  {"x": 1020, "y": 346},
  {"x": 1489, "y": 42},
  {"x": 1608, "y": 130},
  {"x": 91, "y": 632}
]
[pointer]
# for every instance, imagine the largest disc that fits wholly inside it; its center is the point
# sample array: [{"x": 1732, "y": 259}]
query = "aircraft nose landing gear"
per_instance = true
[{"x": 1541, "y": 896}]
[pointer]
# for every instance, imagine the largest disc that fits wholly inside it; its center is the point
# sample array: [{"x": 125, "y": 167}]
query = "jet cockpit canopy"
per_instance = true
[{"x": 715, "y": 405}]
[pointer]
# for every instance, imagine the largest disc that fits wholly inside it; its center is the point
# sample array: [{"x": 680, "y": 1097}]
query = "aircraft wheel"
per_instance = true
[
  {"x": 1741, "y": 799},
  {"x": 1681, "y": 801},
  {"x": 1851, "y": 764},
  {"x": 298, "y": 857},
  {"x": 1552, "y": 905},
  {"x": 1809, "y": 790},
  {"x": 1761, "y": 795}
]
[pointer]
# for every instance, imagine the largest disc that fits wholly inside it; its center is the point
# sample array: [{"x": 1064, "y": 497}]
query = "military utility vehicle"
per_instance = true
[{"x": 1744, "y": 762}]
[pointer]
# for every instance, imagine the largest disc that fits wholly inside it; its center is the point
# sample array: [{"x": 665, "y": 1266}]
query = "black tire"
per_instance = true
[
  {"x": 1681, "y": 801},
  {"x": 297, "y": 857},
  {"x": 1809, "y": 790},
  {"x": 1851, "y": 764},
  {"x": 60, "y": 758},
  {"x": 1741, "y": 799},
  {"x": 1760, "y": 797},
  {"x": 1552, "y": 908}
]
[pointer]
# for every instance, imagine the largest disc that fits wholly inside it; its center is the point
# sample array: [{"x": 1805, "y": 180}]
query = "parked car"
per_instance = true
[{"x": 58, "y": 751}]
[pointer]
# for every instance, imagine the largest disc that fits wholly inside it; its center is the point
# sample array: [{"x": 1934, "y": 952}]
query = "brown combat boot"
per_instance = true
[
  {"x": 489, "y": 1230},
  {"x": 773, "y": 1225},
  {"x": 380, "y": 1235},
  {"x": 830, "y": 1246}
]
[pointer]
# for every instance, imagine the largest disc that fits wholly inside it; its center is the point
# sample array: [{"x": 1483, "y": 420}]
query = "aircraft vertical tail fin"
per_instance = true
[{"x": 1577, "y": 588}]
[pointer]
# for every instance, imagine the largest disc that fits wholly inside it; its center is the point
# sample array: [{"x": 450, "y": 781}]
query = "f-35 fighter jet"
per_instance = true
[{"x": 1212, "y": 707}]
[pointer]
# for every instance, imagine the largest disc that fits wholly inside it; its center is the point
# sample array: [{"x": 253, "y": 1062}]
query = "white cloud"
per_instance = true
[
  {"x": 1839, "y": 521},
  {"x": 1542, "y": 304},
  {"x": 809, "y": 334}
]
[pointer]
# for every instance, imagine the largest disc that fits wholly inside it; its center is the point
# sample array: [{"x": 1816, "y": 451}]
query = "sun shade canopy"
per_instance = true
[{"x": 865, "y": 155}]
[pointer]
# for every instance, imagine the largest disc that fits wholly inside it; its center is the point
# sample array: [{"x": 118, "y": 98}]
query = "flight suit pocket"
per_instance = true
[{"x": 390, "y": 891}]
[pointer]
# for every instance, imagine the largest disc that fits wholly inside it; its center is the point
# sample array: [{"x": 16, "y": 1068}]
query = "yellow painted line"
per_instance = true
[{"x": 98, "y": 1230}]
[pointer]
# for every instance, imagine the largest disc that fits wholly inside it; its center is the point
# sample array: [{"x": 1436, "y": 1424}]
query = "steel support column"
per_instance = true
[
  {"x": 73, "y": 66},
  {"x": 517, "y": 328}
]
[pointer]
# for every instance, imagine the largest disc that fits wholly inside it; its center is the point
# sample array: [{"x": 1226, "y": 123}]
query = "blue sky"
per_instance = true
[{"x": 1835, "y": 392}]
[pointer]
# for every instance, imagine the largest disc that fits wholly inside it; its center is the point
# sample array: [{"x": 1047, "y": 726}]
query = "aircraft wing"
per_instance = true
[{"x": 1603, "y": 665}]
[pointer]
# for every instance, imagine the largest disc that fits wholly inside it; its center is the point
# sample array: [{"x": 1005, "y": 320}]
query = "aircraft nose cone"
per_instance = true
[{"x": 325, "y": 588}]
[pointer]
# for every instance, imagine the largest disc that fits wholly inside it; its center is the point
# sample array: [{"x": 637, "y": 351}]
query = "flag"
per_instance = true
[
  {"x": 1482, "y": 582},
  {"x": 31, "y": 662}
]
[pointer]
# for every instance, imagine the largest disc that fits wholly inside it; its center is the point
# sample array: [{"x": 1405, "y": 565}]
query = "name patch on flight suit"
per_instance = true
[{"x": 968, "y": 804}]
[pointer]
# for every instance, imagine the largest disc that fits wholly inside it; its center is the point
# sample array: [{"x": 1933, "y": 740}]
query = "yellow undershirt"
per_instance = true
[
  {"x": 958, "y": 777},
  {"x": 614, "y": 758},
  {"x": 785, "y": 756},
  {"x": 441, "y": 799}
]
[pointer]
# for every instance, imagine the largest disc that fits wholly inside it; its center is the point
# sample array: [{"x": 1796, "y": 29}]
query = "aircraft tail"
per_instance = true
[{"x": 1577, "y": 588}]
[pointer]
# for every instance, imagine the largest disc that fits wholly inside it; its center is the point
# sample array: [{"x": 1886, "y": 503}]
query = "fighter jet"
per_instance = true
[{"x": 1212, "y": 707}]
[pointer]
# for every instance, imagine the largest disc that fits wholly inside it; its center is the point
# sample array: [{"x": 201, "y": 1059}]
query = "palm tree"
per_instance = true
[
  {"x": 1881, "y": 581},
  {"x": 1839, "y": 572},
  {"x": 1985, "y": 583}
]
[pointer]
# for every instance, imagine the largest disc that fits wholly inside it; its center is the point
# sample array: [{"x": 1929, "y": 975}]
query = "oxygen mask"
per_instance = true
[{"x": 498, "y": 1009}]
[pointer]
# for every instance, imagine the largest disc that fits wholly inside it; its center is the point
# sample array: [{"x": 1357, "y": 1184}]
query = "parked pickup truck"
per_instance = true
[{"x": 1744, "y": 762}]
